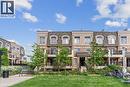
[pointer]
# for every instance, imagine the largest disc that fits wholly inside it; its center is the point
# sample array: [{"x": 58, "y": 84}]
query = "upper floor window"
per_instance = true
[
  {"x": 111, "y": 39},
  {"x": 1, "y": 44},
  {"x": 87, "y": 40},
  {"x": 53, "y": 39},
  {"x": 99, "y": 39},
  {"x": 76, "y": 40},
  {"x": 65, "y": 39},
  {"x": 123, "y": 40},
  {"x": 13, "y": 48},
  {"x": 7, "y": 46},
  {"x": 42, "y": 40}
]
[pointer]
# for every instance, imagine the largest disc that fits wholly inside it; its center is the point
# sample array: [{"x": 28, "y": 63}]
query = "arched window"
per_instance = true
[
  {"x": 65, "y": 39},
  {"x": 1, "y": 44},
  {"x": 7, "y": 46},
  {"x": 111, "y": 39},
  {"x": 99, "y": 39},
  {"x": 53, "y": 39}
]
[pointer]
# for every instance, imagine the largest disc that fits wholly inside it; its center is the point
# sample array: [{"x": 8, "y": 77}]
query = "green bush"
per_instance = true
[
  {"x": 114, "y": 67},
  {"x": 104, "y": 70},
  {"x": 12, "y": 69}
]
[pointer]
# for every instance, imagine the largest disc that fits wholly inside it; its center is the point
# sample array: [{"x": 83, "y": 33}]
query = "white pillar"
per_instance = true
[
  {"x": 109, "y": 54},
  {"x": 124, "y": 61}
]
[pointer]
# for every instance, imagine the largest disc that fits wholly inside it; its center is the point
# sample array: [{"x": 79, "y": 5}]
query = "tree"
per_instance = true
[
  {"x": 39, "y": 57},
  {"x": 4, "y": 57},
  {"x": 96, "y": 55},
  {"x": 62, "y": 58}
]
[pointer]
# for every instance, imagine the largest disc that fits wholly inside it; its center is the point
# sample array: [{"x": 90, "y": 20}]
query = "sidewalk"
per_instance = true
[{"x": 6, "y": 82}]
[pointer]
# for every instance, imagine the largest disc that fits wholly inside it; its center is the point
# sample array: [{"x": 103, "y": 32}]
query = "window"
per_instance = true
[
  {"x": 13, "y": 48},
  {"x": 77, "y": 40},
  {"x": 53, "y": 50},
  {"x": 99, "y": 39},
  {"x": 42, "y": 40},
  {"x": 53, "y": 40},
  {"x": 87, "y": 40},
  {"x": 77, "y": 49},
  {"x": 123, "y": 40},
  {"x": 111, "y": 39},
  {"x": 1, "y": 44},
  {"x": 7, "y": 46},
  {"x": 65, "y": 40}
]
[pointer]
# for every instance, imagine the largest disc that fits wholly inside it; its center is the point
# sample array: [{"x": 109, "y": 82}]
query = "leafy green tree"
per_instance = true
[
  {"x": 96, "y": 55},
  {"x": 4, "y": 57},
  {"x": 62, "y": 58},
  {"x": 39, "y": 57}
]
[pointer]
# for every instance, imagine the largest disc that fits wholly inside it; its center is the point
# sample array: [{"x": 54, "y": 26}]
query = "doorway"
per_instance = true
[{"x": 82, "y": 61}]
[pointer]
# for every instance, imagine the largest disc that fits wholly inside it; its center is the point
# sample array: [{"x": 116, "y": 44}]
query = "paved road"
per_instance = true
[{"x": 6, "y": 82}]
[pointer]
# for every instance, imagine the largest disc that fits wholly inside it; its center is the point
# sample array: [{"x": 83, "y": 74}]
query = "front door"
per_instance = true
[{"x": 82, "y": 61}]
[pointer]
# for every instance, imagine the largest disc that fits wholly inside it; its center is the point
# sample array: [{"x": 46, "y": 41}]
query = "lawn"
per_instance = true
[{"x": 72, "y": 81}]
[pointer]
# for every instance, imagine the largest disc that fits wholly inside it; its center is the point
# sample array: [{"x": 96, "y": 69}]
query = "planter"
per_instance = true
[{"x": 5, "y": 74}]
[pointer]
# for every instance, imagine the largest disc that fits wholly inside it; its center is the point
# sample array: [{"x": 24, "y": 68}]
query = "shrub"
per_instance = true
[
  {"x": 104, "y": 70},
  {"x": 114, "y": 67},
  {"x": 12, "y": 69}
]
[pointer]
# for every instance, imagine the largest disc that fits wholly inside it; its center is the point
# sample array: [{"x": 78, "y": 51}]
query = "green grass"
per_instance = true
[{"x": 72, "y": 81}]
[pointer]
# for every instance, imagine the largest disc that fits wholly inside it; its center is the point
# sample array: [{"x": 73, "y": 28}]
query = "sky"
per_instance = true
[{"x": 63, "y": 15}]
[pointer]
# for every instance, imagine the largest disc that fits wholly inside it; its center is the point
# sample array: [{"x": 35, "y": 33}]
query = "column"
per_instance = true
[{"x": 124, "y": 61}]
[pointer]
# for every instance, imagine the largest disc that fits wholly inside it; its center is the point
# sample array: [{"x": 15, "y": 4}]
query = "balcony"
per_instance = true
[
  {"x": 82, "y": 54},
  {"x": 117, "y": 53}
]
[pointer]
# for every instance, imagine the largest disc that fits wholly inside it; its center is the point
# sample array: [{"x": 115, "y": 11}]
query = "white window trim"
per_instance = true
[
  {"x": 45, "y": 40},
  {"x": 79, "y": 39},
  {"x": 113, "y": 36},
  {"x": 7, "y": 46},
  {"x": 99, "y": 36},
  {"x": 120, "y": 40},
  {"x": 66, "y": 36},
  {"x": 1, "y": 44},
  {"x": 56, "y": 39},
  {"x": 90, "y": 40}
]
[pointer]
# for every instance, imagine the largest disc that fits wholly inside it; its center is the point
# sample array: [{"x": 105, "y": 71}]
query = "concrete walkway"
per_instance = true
[{"x": 6, "y": 82}]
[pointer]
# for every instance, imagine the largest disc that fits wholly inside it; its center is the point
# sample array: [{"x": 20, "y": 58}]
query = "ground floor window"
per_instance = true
[{"x": 114, "y": 61}]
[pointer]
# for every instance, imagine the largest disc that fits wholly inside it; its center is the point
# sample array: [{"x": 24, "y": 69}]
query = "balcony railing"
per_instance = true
[{"x": 117, "y": 53}]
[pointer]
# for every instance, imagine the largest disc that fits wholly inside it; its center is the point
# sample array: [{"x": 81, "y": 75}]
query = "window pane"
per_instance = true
[
  {"x": 65, "y": 40},
  {"x": 111, "y": 40},
  {"x": 77, "y": 40},
  {"x": 87, "y": 40},
  {"x": 0, "y": 44},
  {"x": 123, "y": 40},
  {"x": 53, "y": 40},
  {"x": 99, "y": 40},
  {"x": 42, "y": 40}
]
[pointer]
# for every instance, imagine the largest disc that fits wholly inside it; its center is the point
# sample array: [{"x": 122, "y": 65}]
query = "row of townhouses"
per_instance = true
[
  {"x": 78, "y": 43},
  {"x": 15, "y": 52}
]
